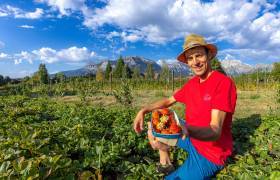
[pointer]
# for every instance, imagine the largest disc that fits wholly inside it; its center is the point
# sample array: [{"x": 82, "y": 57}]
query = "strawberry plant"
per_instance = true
[{"x": 44, "y": 139}]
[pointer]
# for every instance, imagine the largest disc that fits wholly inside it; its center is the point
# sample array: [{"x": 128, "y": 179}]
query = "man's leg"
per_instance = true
[
  {"x": 165, "y": 166},
  {"x": 164, "y": 158},
  {"x": 195, "y": 166}
]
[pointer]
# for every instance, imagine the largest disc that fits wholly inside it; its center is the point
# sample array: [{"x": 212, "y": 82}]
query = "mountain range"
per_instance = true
[
  {"x": 132, "y": 62},
  {"x": 232, "y": 67},
  {"x": 236, "y": 67}
]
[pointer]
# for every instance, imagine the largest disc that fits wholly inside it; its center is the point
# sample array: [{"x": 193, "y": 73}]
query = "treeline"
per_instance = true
[
  {"x": 4, "y": 80},
  {"x": 122, "y": 71},
  {"x": 259, "y": 79}
]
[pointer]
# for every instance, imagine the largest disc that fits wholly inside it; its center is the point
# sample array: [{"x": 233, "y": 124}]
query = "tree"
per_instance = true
[
  {"x": 216, "y": 65},
  {"x": 7, "y": 79},
  {"x": 60, "y": 77},
  {"x": 127, "y": 73},
  {"x": 119, "y": 68},
  {"x": 26, "y": 79},
  {"x": 35, "y": 78},
  {"x": 136, "y": 73},
  {"x": 108, "y": 70},
  {"x": 164, "y": 74},
  {"x": 150, "y": 72},
  {"x": 276, "y": 71},
  {"x": 1, "y": 80},
  {"x": 43, "y": 74},
  {"x": 99, "y": 74}
]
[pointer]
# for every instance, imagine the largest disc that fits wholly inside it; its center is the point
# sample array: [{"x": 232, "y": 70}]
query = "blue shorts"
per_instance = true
[{"x": 195, "y": 167}]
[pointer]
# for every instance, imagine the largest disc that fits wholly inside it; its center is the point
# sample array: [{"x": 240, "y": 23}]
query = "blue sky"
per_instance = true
[{"x": 68, "y": 34}]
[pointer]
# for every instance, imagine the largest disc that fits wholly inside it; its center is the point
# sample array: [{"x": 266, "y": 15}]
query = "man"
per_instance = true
[{"x": 210, "y": 99}]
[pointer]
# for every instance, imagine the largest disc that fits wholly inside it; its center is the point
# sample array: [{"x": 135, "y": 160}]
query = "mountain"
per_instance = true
[
  {"x": 236, "y": 67},
  {"x": 263, "y": 67},
  {"x": 132, "y": 62},
  {"x": 232, "y": 67},
  {"x": 176, "y": 66}
]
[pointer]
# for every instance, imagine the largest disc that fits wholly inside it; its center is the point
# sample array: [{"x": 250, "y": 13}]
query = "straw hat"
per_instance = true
[{"x": 194, "y": 40}]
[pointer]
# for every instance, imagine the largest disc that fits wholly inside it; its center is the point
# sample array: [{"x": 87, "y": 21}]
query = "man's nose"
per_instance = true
[{"x": 195, "y": 60}]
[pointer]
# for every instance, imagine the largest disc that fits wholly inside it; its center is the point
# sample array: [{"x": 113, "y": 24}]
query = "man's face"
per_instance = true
[{"x": 198, "y": 60}]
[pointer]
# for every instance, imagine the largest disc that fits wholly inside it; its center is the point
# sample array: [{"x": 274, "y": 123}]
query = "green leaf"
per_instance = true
[
  {"x": 54, "y": 159},
  {"x": 250, "y": 160},
  {"x": 275, "y": 175},
  {"x": 5, "y": 166},
  {"x": 86, "y": 175}
]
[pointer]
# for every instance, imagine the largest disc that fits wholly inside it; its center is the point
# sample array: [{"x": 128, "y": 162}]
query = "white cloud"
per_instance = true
[
  {"x": 18, "y": 61},
  {"x": 46, "y": 54},
  {"x": 160, "y": 21},
  {"x": 3, "y": 55},
  {"x": 49, "y": 55},
  {"x": 3, "y": 13},
  {"x": 26, "y": 26},
  {"x": 251, "y": 27},
  {"x": 19, "y": 13},
  {"x": 75, "y": 54},
  {"x": 32, "y": 15},
  {"x": 119, "y": 50},
  {"x": 24, "y": 55},
  {"x": 65, "y": 7},
  {"x": 132, "y": 37},
  {"x": 126, "y": 36},
  {"x": 251, "y": 56}
]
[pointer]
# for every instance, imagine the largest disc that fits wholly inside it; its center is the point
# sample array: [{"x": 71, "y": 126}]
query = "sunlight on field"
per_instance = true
[
  {"x": 248, "y": 102},
  {"x": 255, "y": 102}
]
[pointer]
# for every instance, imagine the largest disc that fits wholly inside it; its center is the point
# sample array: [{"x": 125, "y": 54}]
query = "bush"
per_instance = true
[{"x": 124, "y": 94}]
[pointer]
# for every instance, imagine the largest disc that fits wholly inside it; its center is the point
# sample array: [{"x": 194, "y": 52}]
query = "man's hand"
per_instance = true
[
  {"x": 154, "y": 143},
  {"x": 139, "y": 119},
  {"x": 185, "y": 132},
  {"x": 139, "y": 122}
]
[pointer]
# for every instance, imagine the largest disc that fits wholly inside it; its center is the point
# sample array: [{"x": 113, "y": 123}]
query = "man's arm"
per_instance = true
[
  {"x": 139, "y": 119},
  {"x": 164, "y": 103},
  {"x": 211, "y": 133}
]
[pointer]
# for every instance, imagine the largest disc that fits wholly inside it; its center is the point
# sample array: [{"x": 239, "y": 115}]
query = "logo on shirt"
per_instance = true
[{"x": 206, "y": 97}]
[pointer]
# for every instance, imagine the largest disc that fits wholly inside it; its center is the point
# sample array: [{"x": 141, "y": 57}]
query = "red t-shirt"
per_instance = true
[{"x": 216, "y": 92}]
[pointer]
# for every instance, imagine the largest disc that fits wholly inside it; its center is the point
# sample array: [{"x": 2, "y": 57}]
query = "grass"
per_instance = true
[
  {"x": 260, "y": 102},
  {"x": 256, "y": 102}
]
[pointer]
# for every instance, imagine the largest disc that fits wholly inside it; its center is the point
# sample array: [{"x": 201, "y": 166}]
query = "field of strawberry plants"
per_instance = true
[{"x": 44, "y": 139}]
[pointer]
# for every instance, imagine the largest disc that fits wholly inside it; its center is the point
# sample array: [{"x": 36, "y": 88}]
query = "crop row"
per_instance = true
[{"x": 43, "y": 139}]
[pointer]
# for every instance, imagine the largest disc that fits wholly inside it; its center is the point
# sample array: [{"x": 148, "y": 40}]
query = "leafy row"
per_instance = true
[{"x": 40, "y": 138}]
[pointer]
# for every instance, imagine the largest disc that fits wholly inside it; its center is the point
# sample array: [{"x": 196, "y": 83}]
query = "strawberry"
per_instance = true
[
  {"x": 155, "y": 115},
  {"x": 174, "y": 128},
  {"x": 164, "y": 111},
  {"x": 155, "y": 121}
]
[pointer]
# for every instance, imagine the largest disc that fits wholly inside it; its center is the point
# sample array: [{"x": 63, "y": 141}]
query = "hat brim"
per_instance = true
[{"x": 211, "y": 47}]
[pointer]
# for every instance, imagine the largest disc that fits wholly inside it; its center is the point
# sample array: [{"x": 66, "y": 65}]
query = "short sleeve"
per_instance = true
[
  {"x": 180, "y": 95},
  {"x": 225, "y": 96}
]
